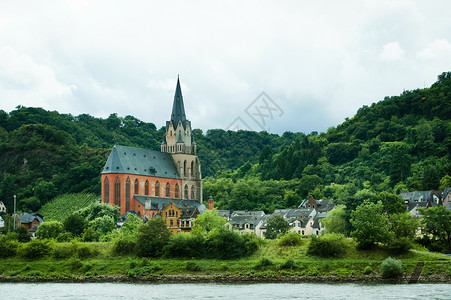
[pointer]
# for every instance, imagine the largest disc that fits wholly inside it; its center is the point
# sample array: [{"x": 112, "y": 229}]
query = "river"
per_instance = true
[{"x": 110, "y": 291}]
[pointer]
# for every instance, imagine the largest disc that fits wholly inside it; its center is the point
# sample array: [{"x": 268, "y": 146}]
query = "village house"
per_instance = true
[
  {"x": 421, "y": 199},
  {"x": 166, "y": 182},
  {"x": 245, "y": 221}
]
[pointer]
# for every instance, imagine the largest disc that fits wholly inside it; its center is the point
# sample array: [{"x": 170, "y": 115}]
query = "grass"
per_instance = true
[{"x": 270, "y": 261}]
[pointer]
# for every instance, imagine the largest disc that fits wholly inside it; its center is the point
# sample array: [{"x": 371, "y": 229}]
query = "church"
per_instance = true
[{"x": 166, "y": 182}]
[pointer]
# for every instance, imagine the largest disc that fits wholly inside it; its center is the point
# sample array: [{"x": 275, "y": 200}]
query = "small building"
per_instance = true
[
  {"x": 425, "y": 198},
  {"x": 29, "y": 220}
]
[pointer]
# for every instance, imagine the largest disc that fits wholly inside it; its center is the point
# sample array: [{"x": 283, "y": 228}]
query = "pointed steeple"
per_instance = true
[{"x": 178, "y": 109}]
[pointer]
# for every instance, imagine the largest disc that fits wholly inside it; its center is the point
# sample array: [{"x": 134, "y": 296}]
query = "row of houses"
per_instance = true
[
  {"x": 425, "y": 199},
  {"x": 305, "y": 220}
]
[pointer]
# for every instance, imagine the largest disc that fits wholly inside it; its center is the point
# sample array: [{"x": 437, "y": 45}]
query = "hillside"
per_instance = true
[{"x": 400, "y": 143}]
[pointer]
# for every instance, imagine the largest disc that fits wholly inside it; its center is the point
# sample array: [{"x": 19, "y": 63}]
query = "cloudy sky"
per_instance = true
[{"x": 317, "y": 62}]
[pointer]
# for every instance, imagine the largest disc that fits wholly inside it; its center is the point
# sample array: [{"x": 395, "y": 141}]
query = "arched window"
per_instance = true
[
  {"x": 146, "y": 188},
  {"x": 136, "y": 187},
  {"x": 127, "y": 194},
  {"x": 157, "y": 189},
  {"x": 192, "y": 168},
  {"x": 172, "y": 222},
  {"x": 192, "y": 192},
  {"x": 117, "y": 192},
  {"x": 106, "y": 188},
  {"x": 184, "y": 168},
  {"x": 176, "y": 190},
  {"x": 167, "y": 189},
  {"x": 186, "y": 191}
]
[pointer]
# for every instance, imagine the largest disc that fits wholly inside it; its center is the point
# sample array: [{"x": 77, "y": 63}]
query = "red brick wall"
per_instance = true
[{"x": 134, "y": 204}]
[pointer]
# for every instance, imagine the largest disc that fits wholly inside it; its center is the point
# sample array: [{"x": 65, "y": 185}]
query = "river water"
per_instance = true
[{"x": 310, "y": 291}]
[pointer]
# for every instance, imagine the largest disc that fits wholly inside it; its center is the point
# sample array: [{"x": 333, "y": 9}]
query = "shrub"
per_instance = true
[
  {"x": 264, "y": 262},
  {"x": 368, "y": 270},
  {"x": 36, "y": 249},
  {"x": 49, "y": 230},
  {"x": 290, "y": 239},
  {"x": 84, "y": 252},
  {"x": 186, "y": 245},
  {"x": 91, "y": 235},
  {"x": 64, "y": 237},
  {"x": 124, "y": 245},
  {"x": 329, "y": 245},
  {"x": 61, "y": 251},
  {"x": 8, "y": 247},
  {"x": 23, "y": 235},
  {"x": 391, "y": 268},
  {"x": 288, "y": 264},
  {"x": 224, "y": 244},
  {"x": 152, "y": 237},
  {"x": 251, "y": 243},
  {"x": 400, "y": 246}
]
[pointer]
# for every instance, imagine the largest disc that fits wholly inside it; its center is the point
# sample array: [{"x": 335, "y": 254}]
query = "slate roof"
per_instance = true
[
  {"x": 26, "y": 218},
  {"x": 178, "y": 108},
  {"x": 138, "y": 161},
  {"x": 240, "y": 220},
  {"x": 420, "y": 196},
  {"x": 157, "y": 203}
]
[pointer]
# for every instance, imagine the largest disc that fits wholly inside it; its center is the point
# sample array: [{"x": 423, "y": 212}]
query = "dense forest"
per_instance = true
[{"x": 401, "y": 143}]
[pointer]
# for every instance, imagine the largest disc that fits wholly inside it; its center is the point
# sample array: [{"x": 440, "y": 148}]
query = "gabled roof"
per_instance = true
[
  {"x": 138, "y": 161},
  {"x": 240, "y": 220},
  {"x": 420, "y": 196},
  {"x": 157, "y": 203},
  {"x": 26, "y": 218}
]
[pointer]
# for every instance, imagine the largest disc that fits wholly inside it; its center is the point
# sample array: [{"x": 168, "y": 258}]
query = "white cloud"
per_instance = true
[
  {"x": 27, "y": 82},
  {"x": 438, "y": 49},
  {"x": 392, "y": 52}
]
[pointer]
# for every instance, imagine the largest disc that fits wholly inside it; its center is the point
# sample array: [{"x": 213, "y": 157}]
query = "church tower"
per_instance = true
[{"x": 179, "y": 142}]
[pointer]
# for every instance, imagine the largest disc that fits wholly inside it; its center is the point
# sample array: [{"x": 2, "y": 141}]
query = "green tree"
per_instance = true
[
  {"x": 393, "y": 204},
  {"x": 49, "y": 230},
  {"x": 75, "y": 224},
  {"x": 103, "y": 225},
  {"x": 335, "y": 221},
  {"x": 275, "y": 226},
  {"x": 445, "y": 182},
  {"x": 152, "y": 237},
  {"x": 437, "y": 221},
  {"x": 23, "y": 235},
  {"x": 371, "y": 225},
  {"x": 208, "y": 221}
]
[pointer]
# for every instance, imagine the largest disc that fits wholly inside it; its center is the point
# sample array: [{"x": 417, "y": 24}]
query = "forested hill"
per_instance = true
[{"x": 401, "y": 143}]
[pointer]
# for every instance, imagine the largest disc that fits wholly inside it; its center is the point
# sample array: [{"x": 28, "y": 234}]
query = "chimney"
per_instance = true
[
  {"x": 148, "y": 204},
  {"x": 211, "y": 203}
]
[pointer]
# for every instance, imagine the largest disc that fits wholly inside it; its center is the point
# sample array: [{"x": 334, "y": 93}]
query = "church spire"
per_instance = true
[{"x": 178, "y": 109}]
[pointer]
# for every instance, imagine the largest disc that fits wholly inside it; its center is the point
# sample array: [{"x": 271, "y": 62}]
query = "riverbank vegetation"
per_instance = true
[{"x": 97, "y": 261}]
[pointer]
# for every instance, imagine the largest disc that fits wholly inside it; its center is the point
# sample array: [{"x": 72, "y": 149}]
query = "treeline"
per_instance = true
[{"x": 401, "y": 143}]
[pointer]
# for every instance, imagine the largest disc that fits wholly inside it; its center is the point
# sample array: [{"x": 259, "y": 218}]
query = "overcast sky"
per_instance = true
[{"x": 316, "y": 61}]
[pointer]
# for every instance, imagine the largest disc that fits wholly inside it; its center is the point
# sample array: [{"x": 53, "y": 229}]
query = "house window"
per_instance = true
[
  {"x": 157, "y": 189},
  {"x": 184, "y": 168},
  {"x": 146, "y": 188},
  {"x": 127, "y": 194},
  {"x": 136, "y": 187},
  {"x": 117, "y": 192},
  {"x": 172, "y": 222},
  {"x": 302, "y": 232},
  {"x": 186, "y": 191},
  {"x": 176, "y": 190},
  {"x": 192, "y": 192},
  {"x": 167, "y": 189},
  {"x": 106, "y": 188},
  {"x": 192, "y": 169}
]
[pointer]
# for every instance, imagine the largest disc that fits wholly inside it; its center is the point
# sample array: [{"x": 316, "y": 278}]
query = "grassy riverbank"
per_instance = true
[{"x": 94, "y": 262}]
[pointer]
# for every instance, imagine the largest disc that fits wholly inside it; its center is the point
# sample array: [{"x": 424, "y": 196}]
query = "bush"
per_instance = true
[
  {"x": 152, "y": 237},
  {"x": 23, "y": 235},
  {"x": 90, "y": 235},
  {"x": 36, "y": 249},
  {"x": 329, "y": 245},
  {"x": 290, "y": 239},
  {"x": 61, "y": 251},
  {"x": 368, "y": 270},
  {"x": 224, "y": 244},
  {"x": 251, "y": 243},
  {"x": 264, "y": 262},
  {"x": 49, "y": 230},
  {"x": 186, "y": 245},
  {"x": 288, "y": 264},
  {"x": 400, "y": 246},
  {"x": 84, "y": 252},
  {"x": 391, "y": 268},
  {"x": 64, "y": 237},
  {"x": 124, "y": 245},
  {"x": 8, "y": 247}
]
